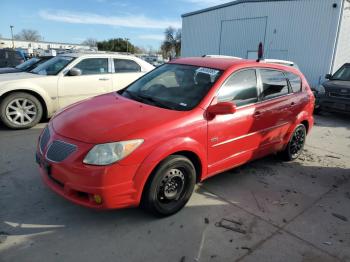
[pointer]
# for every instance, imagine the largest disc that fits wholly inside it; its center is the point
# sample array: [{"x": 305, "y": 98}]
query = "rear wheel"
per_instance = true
[
  {"x": 20, "y": 110},
  {"x": 170, "y": 186},
  {"x": 296, "y": 144}
]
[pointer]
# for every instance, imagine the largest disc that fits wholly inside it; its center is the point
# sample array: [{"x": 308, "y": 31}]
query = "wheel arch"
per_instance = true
[
  {"x": 189, "y": 148},
  {"x": 33, "y": 93}
]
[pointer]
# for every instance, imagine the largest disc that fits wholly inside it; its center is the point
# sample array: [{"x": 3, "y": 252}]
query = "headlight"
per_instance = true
[
  {"x": 321, "y": 90},
  {"x": 105, "y": 154}
]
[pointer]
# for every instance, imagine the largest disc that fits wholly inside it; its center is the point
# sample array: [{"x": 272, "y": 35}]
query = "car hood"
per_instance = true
[
  {"x": 336, "y": 84},
  {"x": 110, "y": 118},
  {"x": 6, "y": 70},
  {"x": 18, "y": 76}
]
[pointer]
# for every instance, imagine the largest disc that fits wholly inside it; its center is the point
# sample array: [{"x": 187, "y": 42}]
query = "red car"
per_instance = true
[{"x": 180, "y": 124}]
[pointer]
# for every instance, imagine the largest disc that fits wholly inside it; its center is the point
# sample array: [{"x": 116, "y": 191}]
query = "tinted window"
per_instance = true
[
  {"x": 93, "y": 66},
  {"x": 241, "y": 88},
  {"x": 295, "y": 82},
  {"x": 274, "y": 84},
  {"x": 53, "y": 66},
  {"x": 126, "y": 65}
]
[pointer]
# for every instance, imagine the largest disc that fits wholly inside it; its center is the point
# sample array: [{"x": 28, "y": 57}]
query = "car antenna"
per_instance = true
[{"x": 260, "y": 52}]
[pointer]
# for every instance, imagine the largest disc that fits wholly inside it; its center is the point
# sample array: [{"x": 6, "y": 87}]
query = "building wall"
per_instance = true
[
  {"x": 7, "y": 43},
  {"x": 342, "y": 55},
  {"x": 303, "y": 31}
]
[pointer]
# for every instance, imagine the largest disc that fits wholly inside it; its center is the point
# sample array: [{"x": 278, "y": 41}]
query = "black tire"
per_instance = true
[
  {"x": 30, "y": 110},
  {"x": 175, "y": 173},
  {"x": 295, "y": 145}
]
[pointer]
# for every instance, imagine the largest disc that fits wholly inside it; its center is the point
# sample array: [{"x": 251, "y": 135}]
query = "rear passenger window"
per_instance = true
[
  {"x": 295, "y": 82},
  {"x": 274, "y": 84},
  {"x": 240, "y": 88},
  {"x": 93, "y": 66},
  {"x": 126, "y": 66}
]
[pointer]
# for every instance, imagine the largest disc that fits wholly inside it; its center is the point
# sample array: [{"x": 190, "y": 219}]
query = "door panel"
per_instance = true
[{"x": 95, "y": 80}]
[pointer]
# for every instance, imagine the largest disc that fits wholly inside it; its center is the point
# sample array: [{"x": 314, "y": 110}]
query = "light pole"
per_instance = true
[
  {"x": 13, "y": 43},
  {"x": 127, "y": 44}
]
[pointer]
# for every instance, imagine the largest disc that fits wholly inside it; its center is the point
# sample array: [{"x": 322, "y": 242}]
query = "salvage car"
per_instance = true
[
  {"x": 183, "y": 122},
  {"x": 10, "y": 58},
  {"x": 334, "y": 94},
  {"x": 26, "y": 66},
  {"x": 27, "y": 97}
]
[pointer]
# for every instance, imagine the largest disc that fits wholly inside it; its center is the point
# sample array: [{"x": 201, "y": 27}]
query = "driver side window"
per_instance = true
[{"x": 240, "y": 88}]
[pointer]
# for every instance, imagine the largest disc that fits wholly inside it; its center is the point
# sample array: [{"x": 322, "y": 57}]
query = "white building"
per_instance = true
[
  {"x": 33, "y": 45},
  {"x": 315, "y": 34}
]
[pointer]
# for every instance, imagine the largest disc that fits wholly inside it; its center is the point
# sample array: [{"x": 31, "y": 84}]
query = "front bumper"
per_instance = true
[
  {"x": 332, "y": 104},
  {"x": 80, "y": 183}
]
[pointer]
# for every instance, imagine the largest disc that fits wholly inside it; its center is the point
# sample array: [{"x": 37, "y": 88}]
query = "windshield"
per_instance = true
[
  {"x": 53, "y": 66},
  {"x": 342, "y": 74},
  {"x": 24, "y": 66},
  {"x": 173, "y": 86}
]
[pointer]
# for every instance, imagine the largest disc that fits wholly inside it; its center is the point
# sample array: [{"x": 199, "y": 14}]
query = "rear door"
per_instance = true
[
  {"x": 125, "y": 72},
  {"x": 94, "y": 80},
  {"x": 274, "y": 109},
  {"x": 233, "y": 139}
]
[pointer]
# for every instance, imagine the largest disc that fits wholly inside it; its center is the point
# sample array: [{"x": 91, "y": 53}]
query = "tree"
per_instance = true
[
  {"x": 28, "y": 35},
  {"x": 117, "y": 45},
  {"x": 92, "y": 42},
  {"x": 171, "y": 46}
]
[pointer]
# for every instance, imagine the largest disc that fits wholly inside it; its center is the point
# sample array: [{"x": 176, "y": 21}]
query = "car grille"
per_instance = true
[
  {"x": 59, "y": 151},
  {"x": 45, "y": 137},
  {"x": 340, "y": 95}
]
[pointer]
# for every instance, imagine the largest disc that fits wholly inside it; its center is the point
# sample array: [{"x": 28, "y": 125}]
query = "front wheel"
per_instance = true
[
  {"x": 296, "y": 144},
  {"x": 170, "y": 186},
  {"x": 20, "y": 110}
]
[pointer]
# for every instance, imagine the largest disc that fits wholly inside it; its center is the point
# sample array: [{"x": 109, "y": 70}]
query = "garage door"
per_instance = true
[{"x": 240, "y": 36}]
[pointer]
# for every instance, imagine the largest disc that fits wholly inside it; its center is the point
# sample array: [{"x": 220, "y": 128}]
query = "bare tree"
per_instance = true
[
  {"x": 171, "y": 46},
  {"x": 28, "y": 35},
  {"x": 92, "y": 42}
]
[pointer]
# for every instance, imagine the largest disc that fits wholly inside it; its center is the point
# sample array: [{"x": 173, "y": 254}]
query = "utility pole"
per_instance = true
[{"x": 13, "y": 43}]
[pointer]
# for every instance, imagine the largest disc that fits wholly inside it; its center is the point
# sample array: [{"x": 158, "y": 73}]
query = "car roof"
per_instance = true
[
  {"x": 99, "y": 54},
  {"x": 210, "y": 62},
  {"x": 226, "y": 63}
]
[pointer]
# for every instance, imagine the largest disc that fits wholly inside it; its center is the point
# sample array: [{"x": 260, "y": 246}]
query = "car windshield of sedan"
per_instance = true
[
  {"x": 173, "y": 86},
  {"x": 342, "y": 74},
  {"x": 52, "y": 66},
  {"x": 27, "y": 64}
]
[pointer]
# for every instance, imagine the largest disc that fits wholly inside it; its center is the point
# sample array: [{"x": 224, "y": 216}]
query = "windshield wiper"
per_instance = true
[{"x": 156, "y": 102}]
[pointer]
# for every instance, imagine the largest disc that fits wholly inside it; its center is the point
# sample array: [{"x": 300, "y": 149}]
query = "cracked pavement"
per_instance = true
[{"x": 287, "y": 211}]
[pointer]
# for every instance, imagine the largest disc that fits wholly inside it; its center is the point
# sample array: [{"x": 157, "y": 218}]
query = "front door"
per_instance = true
[
  {"x": 94, "y": 80},
  {"x": 234, "y": 139}
]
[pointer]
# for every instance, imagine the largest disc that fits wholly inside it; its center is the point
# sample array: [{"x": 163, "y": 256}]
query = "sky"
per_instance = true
[{"x": 142, "y": 21}]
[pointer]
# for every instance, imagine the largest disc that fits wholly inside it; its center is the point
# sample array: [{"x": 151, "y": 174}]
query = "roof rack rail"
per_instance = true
[{"x": 222, "y": 56}]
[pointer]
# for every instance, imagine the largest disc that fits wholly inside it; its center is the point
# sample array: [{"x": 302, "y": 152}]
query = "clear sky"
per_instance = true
[{"x": 142, "y": 21}]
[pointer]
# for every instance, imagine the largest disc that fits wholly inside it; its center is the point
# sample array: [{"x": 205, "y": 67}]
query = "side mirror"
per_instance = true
[
  {"x": 74, "y": 72},
  {"x": 222, "y": 108},
  {"x": 328, "y": 76}
]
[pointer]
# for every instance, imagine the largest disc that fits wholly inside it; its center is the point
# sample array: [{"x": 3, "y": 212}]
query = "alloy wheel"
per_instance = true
[
  {"x": 297, "y": 142},
  {"x": 21, "y": 111}
]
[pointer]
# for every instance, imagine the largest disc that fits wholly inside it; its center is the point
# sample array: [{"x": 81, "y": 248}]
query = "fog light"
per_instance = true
[{"x": 98, "y": 199}]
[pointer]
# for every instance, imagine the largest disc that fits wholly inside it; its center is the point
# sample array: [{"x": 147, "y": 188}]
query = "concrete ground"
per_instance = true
[{"x": 275, "y": 211}]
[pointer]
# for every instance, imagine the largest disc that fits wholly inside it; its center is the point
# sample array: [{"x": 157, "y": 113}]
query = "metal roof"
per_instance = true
[{"x": 237, "y": 2}]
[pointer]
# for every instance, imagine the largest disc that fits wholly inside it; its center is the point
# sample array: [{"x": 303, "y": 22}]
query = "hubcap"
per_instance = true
[
  {"x": 172, "y": 186},
  {"x": 297, "y": 142},
  {"x": 21, "y": 111}
]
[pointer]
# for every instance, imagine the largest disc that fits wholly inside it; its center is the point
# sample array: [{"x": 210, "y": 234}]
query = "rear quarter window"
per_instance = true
[
  {"x": 274, "y": 83},
  {"x": 295, "y": 82}
]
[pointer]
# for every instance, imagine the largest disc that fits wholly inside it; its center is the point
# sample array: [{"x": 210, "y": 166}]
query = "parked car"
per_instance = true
[
  {"x": 334, "y": 94},
  {"x": 10, "y": 58},
  {"x": 63, "y": 80},
  {"x": 26, "y": 66},
  {"x": 180, "y": 124}
]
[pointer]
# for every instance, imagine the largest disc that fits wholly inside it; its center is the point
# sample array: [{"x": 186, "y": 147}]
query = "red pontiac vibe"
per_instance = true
[{"x": 183, "y": 122}]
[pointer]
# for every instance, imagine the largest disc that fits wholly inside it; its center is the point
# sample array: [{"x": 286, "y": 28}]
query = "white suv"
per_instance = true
[{"x": 65, "y": 79}]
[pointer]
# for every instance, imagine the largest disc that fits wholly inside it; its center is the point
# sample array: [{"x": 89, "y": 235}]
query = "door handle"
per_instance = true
[
  {"x": 103, "y": 79},
  {"x": 257, "y": 114}
]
